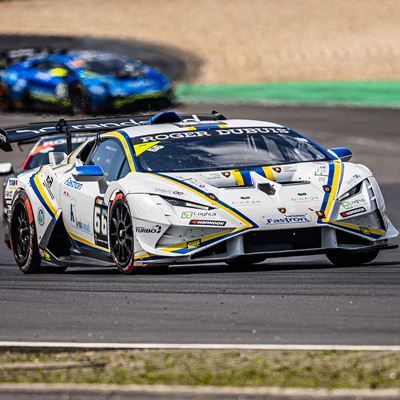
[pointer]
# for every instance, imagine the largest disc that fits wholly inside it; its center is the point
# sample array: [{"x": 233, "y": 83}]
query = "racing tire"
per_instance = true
[
  {"x": 5, "y": 102},
  {"x": 352, "y": 259},
  {"x": 245, "y": 261},
  {"x": 79, "y": 101},
  {"x": 121, "y": 235},
  {"x": 23, "y": 236}
]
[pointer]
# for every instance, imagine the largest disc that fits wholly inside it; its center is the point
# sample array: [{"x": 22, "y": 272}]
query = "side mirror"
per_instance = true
[
  {"x": 91, "y": 173},
  {"x": 342, "y": 152},
  {"x": 88, "y": 173},
  {"x": 6, "y": 168}
]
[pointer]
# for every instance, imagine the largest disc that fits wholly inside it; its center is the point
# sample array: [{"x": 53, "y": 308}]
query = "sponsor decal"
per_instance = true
[
  {"x": 293, "y": 219},
  {"x": 47, "y": 183},
  {"x": 153, "y": 229},
  {"x": 354, "y": 211},
  {"x": 191, "y": 214},
  {"x": 73, "y": 184},
  {"x": 277, "y": 169},
  {"x": 348, "y": 205},
  {"x": 45, "y": 254},
  {"x": 169, "y": 191},
  {"x": 353, "y": 179},
  {"x": 246, "y": 203},
  {"x": 365, "y": 231},
  {"x": 302, "y": 194},
  {"x": 66, "y": 193},
  {"x": 282, "y": 210},
  {"x": 193, "y": 244},
  {"x": 12, "y": 182},
  {"x": 77, "y": 222},
  {"x": 289, "y": 168},
  {"x": 226, "y": 174},
  {"x": 8, "y": 194},
  {"x": 41, "y": 216},
  {"x": 244, "y": 197},
  {"x": 80, "y": 127},
  {"x": 207, "y": 222},
  {"x": 211, "y": 132},
  {"x": 301, "y": 198},
  {"x": 322, "y": 170}
]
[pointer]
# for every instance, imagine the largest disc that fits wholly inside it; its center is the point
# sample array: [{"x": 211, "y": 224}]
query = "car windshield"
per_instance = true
[
  {"x": 109, "y": 66},
  {"x": 224, "y": 149}
]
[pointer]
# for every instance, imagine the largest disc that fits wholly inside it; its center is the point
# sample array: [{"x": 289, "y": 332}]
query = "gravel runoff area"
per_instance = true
[{"x": 237, "y": 40}]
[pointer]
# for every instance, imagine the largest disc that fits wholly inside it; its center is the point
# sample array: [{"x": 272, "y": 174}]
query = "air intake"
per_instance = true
[{"x": 267, "y": 188}]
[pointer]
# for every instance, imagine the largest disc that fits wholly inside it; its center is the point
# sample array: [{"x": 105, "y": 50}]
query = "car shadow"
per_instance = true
[{"x": 226, "y": 269}]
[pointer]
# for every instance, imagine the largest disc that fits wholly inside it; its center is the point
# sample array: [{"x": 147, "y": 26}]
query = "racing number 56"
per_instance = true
[
  {"x": 100, "y": 223},
  {"x": 100, "y": 220}
]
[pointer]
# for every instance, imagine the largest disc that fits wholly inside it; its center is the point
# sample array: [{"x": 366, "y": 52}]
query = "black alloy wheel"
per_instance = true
[
  {"x": 23, "y": 236},
  {"x": 121, "y": 236}
]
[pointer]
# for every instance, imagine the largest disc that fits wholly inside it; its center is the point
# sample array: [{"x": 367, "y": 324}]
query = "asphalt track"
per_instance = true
[{"x": 304, "y": 300}]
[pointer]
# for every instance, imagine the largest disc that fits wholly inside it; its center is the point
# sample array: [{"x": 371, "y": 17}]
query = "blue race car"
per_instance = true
[{"x": 80, "y": 82}]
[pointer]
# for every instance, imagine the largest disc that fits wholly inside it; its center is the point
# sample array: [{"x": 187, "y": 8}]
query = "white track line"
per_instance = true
[
  {"x": 199, "y": 391},
  {"x": 193, "y": 346}
]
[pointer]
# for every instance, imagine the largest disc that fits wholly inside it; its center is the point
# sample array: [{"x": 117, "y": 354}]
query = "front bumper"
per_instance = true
[{"x": 281, "y": 243}]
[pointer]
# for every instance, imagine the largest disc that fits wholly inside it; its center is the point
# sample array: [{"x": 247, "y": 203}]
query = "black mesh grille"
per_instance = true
[{"x": 281, "y": 240}]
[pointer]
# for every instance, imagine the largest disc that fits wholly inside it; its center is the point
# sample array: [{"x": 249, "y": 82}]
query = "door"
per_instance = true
[{"x": 86, "y": 216}]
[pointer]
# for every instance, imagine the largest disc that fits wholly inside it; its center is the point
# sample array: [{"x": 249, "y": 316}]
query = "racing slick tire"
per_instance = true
[
  {"x": 121, "y": 235},
  {"x": 79, "y": 101},
  {"x": 5, "y": 102},
  {"x": 23, "y": 236},
  {"x": 245, "y": 261},
  {"x": 352, "y": 259}
]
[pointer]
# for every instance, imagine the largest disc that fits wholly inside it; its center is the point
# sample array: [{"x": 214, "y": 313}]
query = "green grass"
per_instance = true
[
  {"x": 366, "y": 93},
  {"x": 306, "y": 369}
]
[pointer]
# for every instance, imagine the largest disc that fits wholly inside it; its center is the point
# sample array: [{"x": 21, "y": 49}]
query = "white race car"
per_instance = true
[{"x": 170, "y": 189}]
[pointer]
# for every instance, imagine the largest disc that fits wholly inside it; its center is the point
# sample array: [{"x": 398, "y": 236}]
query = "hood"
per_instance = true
[{"x": 147, "y": 79}]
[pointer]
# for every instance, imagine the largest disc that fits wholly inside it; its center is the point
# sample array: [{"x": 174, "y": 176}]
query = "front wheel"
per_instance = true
[
  {"x": 121, "y": 235},
  {"x": 23, "y": 236},
  {"x": 352, "y": 259}
]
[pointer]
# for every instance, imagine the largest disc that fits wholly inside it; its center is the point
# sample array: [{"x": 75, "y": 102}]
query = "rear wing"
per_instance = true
[
  {"x": 30, "y": 133},
  {"x": 14, "y": 56}
]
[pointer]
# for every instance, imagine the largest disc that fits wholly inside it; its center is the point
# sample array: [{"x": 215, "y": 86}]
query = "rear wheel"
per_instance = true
[
  {"x": 245, "y": 261},
  {"x": 121, "y": 235},
  {"x": 23, "y": 236},
  {"x": 352, "y": 259},
  {"x": 5, "y": 102},
  {"x": 79, "y": 102}
]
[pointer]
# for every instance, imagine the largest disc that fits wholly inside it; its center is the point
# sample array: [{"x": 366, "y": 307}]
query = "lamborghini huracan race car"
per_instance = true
[
  {"x": 38, "y": 156},
  {"x": 80, "y": 82},
  {"x": 176, "y": 189}
]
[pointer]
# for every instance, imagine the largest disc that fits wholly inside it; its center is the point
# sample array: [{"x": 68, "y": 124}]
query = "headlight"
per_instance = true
[
  {"x": 356, "y": 189},
  {"x": 184, "y": 203}
]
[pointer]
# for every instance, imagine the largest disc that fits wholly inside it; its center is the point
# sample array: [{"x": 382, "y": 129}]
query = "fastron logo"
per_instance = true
[
  {"x": 153, "y": 229},
  {"x": 286, "y": 220}
]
